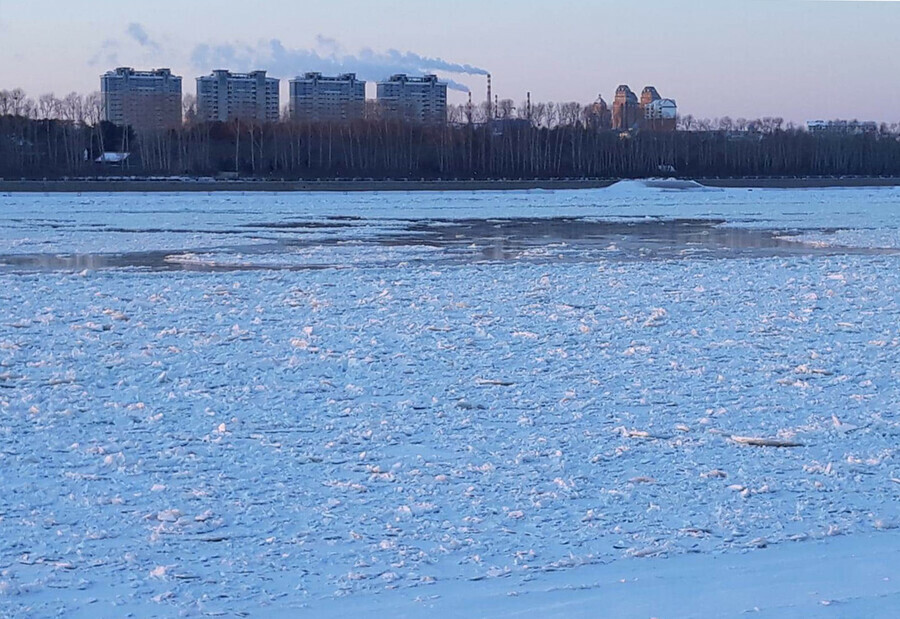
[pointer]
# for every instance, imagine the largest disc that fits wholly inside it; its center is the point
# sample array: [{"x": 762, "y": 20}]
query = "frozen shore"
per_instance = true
[
  {"x": 360, "y": 185},
  {"x": 200, "y": 185},
  {"x": 848, "y": 576}
]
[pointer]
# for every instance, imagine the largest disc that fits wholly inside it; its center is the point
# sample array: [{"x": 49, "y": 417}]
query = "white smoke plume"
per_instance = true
[{"x": 328, "y": 57}]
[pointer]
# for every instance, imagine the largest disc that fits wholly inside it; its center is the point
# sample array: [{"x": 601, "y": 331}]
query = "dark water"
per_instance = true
[{"x": 471, "y": 240}]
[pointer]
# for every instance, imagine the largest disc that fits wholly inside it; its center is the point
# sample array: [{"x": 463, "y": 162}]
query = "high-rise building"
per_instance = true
[
  {"x": 316, "y": 97},
  {"x": 626, "y": 111},
  {"x": 419, "y": 99},
  {"x": 141, "y": 99},
  {"x": 224, "y": 96}
]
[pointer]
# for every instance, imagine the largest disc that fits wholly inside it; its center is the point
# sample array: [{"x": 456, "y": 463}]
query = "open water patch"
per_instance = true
[{"x": 354, "y": 245}]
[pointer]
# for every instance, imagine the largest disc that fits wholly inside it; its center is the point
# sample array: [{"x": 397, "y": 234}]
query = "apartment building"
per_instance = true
[
  {"x": 224, "y": 96},
  {"x": 143, "y": 100},
  {"x": 316, "y": 98},
  {"x": 658, "y": 114},
  {"x": 661, "y": 115},
  {"x": 841, "y": 127},
  {"x": 419, "y": 99}
]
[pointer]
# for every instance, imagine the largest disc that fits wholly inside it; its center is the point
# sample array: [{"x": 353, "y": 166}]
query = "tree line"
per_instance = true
[{"x": 52, "y": 138}]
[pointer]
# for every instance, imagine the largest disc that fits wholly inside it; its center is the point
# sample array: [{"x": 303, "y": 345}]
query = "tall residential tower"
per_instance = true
[
  {"x": 141, "y": 99},
  {"x": 224, "y": 96},
  {"x": 316, "y": 97},
  {"x": 419, "y": 99}
]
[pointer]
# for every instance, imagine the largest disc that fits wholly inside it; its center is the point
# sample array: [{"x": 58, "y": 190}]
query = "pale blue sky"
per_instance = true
[{"x": 796, "y": 59}]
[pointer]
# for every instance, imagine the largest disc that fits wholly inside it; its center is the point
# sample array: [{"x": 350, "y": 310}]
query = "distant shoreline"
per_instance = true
[
  {"x": 801, "y": 183},
  {"x": 167, "y": 185},
  {"x": 113, "y": 185}
]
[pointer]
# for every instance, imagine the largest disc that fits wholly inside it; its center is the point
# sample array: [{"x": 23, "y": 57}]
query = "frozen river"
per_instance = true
[{"x": 271, "y": 403}]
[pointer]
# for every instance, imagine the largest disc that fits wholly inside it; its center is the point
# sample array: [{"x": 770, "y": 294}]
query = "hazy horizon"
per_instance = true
[{"x": 800, "y": 60}]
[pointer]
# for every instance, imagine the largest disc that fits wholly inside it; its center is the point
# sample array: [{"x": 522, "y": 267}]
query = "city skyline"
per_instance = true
[{"x": 751, "y": 58}]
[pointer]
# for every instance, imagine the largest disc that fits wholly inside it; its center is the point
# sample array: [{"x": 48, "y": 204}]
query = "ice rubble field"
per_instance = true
[{"x": 407, "y": 420}]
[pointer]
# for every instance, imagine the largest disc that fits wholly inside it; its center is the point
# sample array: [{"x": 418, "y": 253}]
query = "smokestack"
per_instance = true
[
  {"x": 528, "y": 106},
  {"x": 489, "y": 111}
]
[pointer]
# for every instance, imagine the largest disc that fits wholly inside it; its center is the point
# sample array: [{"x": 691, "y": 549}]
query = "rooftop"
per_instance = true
[
  {"x": 130, "y": 72},
  {"x": 403, "y": 78},
  {"x": 315, "y": 75}
]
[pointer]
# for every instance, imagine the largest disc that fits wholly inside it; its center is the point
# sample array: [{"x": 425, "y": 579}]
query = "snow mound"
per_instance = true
[
  {"x": 652, "y": 186},
  {"x": 675, "y": 184}
]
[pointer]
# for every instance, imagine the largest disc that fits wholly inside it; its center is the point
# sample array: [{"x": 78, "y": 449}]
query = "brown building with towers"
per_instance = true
[
  {"x": 651, "y": 112},
  {"x": 599, "y": 116},
  {"x": 626, "y": 111}
]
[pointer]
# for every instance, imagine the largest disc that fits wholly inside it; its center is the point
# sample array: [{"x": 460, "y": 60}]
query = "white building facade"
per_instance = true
[
  {"x": 659, "y": 114},
  {"x": 141, "y": 99},
  {"x": 224, "y": 96},
  {"x": 847, "y": 127},
  {"x": 318, "y": 98},
  {"x": 661, "y": 109},
  {"x": 417, "y": 99}
]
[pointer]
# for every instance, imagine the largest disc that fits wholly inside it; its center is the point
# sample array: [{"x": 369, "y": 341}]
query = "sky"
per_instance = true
[{"x": 797, "y": 59}]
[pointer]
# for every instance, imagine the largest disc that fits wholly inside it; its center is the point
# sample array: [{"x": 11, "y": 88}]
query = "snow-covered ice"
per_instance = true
[{"x": 401, "y": 403}]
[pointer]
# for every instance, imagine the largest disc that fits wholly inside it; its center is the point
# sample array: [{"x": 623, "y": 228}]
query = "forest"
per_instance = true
[{"x": 57, "y": 138}]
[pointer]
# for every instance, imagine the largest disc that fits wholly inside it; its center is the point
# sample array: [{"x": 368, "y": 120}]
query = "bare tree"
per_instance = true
[
  {"x": 551, "y": 115},
  {"x": 570, "y": 113},
  {"x": 48, "y": 106},
  {"x": 686, "y": 122},
  {"x": 92, "y": 108},
  {"x": 506, "y": 109},
  {"x": 17, "y": 102},
  {"x": 73, "y": 108},
  {"x": 189, "y": 109},
  {"x": 456, "y": 114}
]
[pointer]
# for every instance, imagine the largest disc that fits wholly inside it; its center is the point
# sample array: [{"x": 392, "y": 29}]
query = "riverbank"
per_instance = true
[
  {"x": 186, "y": 185},
  {"x": 801, "y": 182},
  {"x": 118, "y": 185}
]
